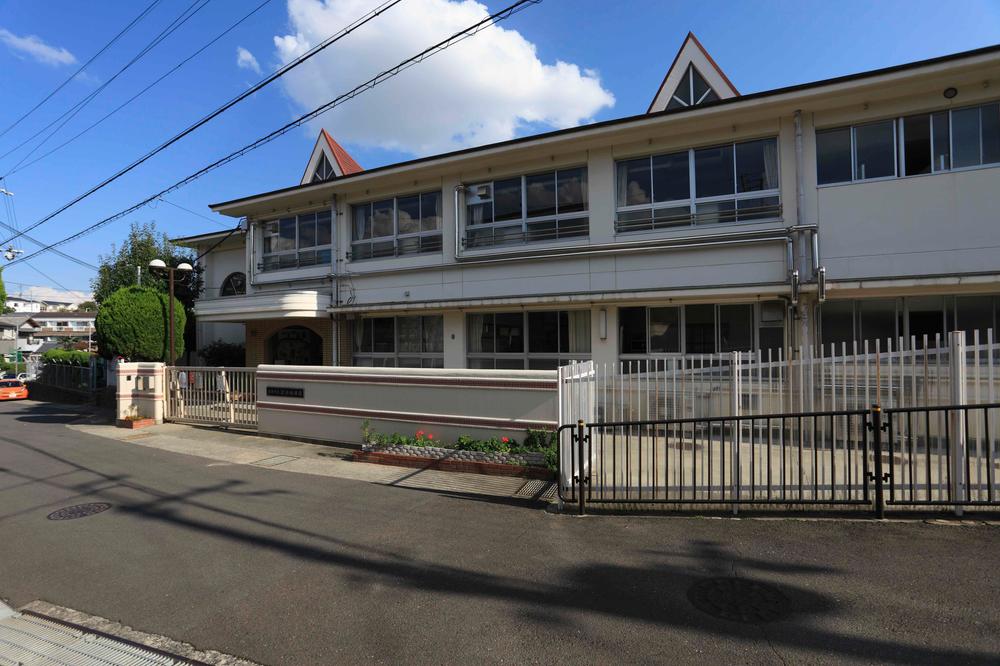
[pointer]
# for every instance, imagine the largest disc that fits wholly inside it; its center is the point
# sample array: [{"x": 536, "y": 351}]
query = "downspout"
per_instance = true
[
  {"x": 458, "y": 225},
  {"x": 800, "y": 202}
]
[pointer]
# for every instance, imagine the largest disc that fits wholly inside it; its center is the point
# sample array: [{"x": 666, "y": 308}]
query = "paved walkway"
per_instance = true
[{"x": 240, "y": 448}]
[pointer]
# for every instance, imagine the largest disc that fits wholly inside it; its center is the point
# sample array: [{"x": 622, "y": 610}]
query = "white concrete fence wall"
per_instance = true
[
  {"x": 332, "y": 403},
  {"x": 140, "y": 391}
]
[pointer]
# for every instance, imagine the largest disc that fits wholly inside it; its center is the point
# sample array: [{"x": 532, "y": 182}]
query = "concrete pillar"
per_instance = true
[
  {"x": 601, "y": 195},
  {"x": 454, "y": 339},
  {"x": 141, "y": 392},
  {"x": 604, "y": 322}
]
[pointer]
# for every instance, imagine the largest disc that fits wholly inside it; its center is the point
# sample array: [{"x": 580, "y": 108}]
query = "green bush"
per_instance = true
[
  {"x": 67, "y": 357},
  {"x": 132, "y": 323},
  {"x": 228, "y": 354}
]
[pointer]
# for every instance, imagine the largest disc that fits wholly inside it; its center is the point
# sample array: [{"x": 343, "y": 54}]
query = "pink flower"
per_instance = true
[
  {"x": 420, "y": 433},
  {"x": 505, "y": 440},
  {"x": 430, "y": 436}
]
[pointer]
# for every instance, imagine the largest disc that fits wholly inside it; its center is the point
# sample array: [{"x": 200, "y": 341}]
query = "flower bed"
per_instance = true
[{"x": 537, "y": 450}]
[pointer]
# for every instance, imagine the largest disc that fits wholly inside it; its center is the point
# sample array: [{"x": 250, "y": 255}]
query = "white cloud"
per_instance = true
[
  {"x": 479, "y": 91},
  {"x": 245, "y": 60},
  {"x": 34, "y": 47}
]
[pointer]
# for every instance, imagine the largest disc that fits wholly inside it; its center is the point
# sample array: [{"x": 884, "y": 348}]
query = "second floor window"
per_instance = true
[
  {"x": 297, "y": 241},
  {"x": 539, "y": 207},
  {"x": 235, "y": 284},
  {"x": 735, "y": 182},
  {"x": 397, "y": 226}
]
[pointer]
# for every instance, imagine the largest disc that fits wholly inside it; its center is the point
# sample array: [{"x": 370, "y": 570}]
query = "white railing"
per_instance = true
[
  {"x": 891, "y": 373},
  {"x": 219, "y": 396}
]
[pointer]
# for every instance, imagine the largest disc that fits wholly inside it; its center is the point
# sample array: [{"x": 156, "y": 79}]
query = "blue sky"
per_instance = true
[{"x": 620, "y": 49}]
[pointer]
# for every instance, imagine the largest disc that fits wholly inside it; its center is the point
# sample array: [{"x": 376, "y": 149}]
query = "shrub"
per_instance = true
[
  {"x": 66, "y": 357},
  {"x": 219, "y": 353},
  {"x": 132, "y": 323}
]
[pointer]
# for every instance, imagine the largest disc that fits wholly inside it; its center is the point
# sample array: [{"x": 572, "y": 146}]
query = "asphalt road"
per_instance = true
[{"x": 287, "y": 568}]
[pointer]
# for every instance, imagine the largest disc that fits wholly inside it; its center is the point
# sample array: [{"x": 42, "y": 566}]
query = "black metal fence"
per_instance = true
[{"x": 909, "y": 456}]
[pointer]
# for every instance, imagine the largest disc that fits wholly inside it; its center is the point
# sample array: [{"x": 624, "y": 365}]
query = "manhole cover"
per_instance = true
[
  {"x": 738, "y": 600},
  {"x": 79, "y": 511}
]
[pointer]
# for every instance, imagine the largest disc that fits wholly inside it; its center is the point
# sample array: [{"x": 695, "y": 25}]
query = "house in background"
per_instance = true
[
  {"x": 854, "y": 209},
  {"x": 62, "y": 326},
  {"x": 17, "y": 333}
]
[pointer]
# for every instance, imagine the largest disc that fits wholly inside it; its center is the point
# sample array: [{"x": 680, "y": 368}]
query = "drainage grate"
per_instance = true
[
  {"x": 79, "y": 511},
  {"x": 738, "y": 600},
  {"x": 274, "y": 461},
  {"x": 537, "y": 489}
]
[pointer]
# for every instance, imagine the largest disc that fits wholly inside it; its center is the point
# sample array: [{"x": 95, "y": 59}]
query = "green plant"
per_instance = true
[
  {"x": 132, "y": 323},
  {"x": 66, "y": 357}
]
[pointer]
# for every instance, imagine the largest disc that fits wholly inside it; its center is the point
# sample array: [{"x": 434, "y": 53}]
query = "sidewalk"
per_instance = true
[{"x": 242, "y": 448}]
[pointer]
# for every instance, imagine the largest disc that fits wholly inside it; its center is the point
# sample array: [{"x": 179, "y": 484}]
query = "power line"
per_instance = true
[
  {"x": 188, "y": 210},
  {"x": 21, "y": 167},
  {"x": 371, "y": 83},
  {"x": 56, "y": 282},
  {"x": 70, "y": 113},
  {"x": 104, "y": 48},
  {"x": 62, "y": 254},
  {"x": 250, "y": 91}
]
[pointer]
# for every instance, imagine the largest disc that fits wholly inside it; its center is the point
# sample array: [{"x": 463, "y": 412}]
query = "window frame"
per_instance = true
[
  {"x": 524, "y": 221},
  {"x": 899, "y": 145},
  {"x": 396, "y": 354},
  {"x": 682, "y": 320},
  {"x": 262, "y": 265},
  {"x": 693, "y": 200},
  {"x": 396, "y": 237},
  {"x": 526, "y": 356}
]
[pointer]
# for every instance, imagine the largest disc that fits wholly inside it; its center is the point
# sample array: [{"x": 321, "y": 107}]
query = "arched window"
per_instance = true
[{"x": 235, "y": 284}]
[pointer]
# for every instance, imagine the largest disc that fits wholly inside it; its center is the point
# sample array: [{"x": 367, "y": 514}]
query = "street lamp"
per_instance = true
[{"x": 158, "y": 266}]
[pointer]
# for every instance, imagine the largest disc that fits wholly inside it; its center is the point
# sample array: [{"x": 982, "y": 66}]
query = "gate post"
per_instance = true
[
  {"x": 957, "y": 432},
  {"x": 876, "y": 426},
  {"x": 581, "y": 501},
  {"x": 736, "y": 437}
]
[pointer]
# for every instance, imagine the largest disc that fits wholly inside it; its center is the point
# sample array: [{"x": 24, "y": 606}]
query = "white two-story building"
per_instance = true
[{"x": 858, "y": 208}]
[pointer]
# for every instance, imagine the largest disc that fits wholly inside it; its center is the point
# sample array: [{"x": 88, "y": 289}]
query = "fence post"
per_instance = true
[
  {"x": 876, "y": 427},
  {"x": 735, "y": 405},
  {"x": 582, "y": 508},
  {"x": 228, "y": 397},
  {"x": 957, "y": 430}
]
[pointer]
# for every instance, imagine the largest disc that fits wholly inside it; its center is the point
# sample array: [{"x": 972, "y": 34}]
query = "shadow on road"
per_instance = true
[{"x": 654, "y": 593}]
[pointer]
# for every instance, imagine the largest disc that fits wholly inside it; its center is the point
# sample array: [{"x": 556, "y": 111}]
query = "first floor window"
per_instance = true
[
  {"x": 701, "y": 329},
  {"x": 397, "y": 226},
  {"x": 297, "y": 241},
  {"x": 404, "y": 342},
  {"x": 538, "y": 340},
  {"x": 734, "y": 182},
  {"x": 537, "y": 207}
]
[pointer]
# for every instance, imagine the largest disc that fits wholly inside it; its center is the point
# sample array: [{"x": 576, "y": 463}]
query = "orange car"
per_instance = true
[{"x": 13, "y": 389}]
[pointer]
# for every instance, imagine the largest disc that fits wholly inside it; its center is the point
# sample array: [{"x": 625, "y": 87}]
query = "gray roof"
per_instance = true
[{"x": 14, "y": 320}]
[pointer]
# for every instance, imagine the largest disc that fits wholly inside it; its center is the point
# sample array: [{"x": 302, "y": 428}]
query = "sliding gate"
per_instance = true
[
  {"x": 216, "y": 396},
  {"x": 925, "y": 456}
]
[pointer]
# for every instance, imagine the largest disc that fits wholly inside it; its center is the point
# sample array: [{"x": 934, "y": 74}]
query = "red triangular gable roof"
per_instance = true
[{"x": 347, "y": 164}]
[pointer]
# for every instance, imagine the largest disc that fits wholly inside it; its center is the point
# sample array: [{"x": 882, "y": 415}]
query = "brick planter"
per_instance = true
[
  {"x": 135, "y": 424},
  {"x": 527, "y": 465}
]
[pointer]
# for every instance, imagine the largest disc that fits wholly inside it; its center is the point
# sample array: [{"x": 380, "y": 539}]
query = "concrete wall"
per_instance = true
[{"x": 447, "y": 403}]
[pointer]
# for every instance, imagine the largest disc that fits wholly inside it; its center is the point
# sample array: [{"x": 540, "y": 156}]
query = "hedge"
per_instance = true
[
  {"x": 67, "y": 357},
  {"x": 132, "y": 323}
]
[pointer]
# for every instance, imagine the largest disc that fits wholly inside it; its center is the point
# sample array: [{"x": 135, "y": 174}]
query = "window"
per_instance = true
[
  {"x": 324, "y": 170},
  {"x": 297, "y": 241},
  {"x": 538, "y": 207},
  {"x": 707, "y": 329},
  {"x": 397, "y": 226},
  {"x": 404, "y": 342},
  {"x": 975, "y": 313},
  {"x": 692, "y": 90},
  {"x": 539, "y": 340},
  {"x": 729, "y": 183},
  {"x": 235, "y": 284},
  {"x": 927, "y": 143}
]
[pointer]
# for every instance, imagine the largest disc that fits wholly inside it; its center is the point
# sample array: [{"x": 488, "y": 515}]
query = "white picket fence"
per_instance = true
[
  {"x": 217, "y": 396},
  {"x": 925, "y": 372}
]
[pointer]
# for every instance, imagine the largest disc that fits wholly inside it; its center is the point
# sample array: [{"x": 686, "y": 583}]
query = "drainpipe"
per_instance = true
[
  {"x": 800, "y": 202},
  {"x": 458, "y": 227}
]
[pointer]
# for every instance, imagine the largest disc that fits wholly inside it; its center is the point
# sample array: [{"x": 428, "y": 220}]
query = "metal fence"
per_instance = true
[
  {"x": 218, "y": 396},
  {"x": 84, "y": 379},
  {"x": 946, "y": 456}
]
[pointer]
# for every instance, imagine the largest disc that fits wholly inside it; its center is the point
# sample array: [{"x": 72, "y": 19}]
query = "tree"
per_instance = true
[
  {"x": 221, "y": 353},
  {"x": 87, "y": 306},
  {"x": 143, "y": 244},
  {"x": 4, "y": 309},
  {"x": 132, "y": 323}
]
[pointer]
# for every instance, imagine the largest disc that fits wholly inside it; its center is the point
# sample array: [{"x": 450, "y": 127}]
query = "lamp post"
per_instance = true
[{"x": 158, "y": 266}]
